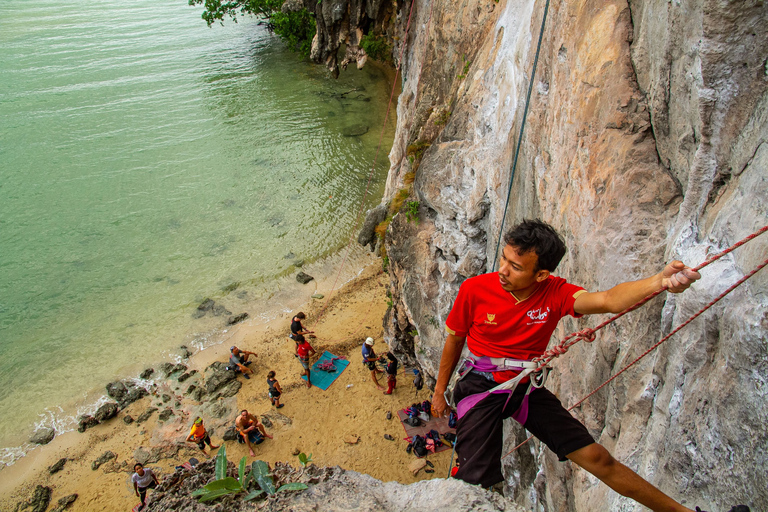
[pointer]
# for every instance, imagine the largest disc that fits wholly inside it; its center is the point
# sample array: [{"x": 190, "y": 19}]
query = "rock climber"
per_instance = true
[{"x": 505, "y": 319}]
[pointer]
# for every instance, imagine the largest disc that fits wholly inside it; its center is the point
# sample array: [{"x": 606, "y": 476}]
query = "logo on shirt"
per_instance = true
[
  {"x": 489, "y": 319},
  {"x": 537, "y": 315}
]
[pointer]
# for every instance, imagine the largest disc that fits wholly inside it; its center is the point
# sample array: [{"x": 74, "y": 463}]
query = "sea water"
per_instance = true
[{"x": 147, "y": 162}]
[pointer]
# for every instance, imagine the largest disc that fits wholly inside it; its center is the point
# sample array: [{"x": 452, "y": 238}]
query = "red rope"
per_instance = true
[
  {"x": 373, "y": 167},
  {"x": 589, "y": 334},
  {"x": 583, "y": 333}
]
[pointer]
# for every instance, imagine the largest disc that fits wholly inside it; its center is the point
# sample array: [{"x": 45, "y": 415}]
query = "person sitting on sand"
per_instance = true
[
  {"x": 238, "y": 360},
  {"x": 297, "y": 328},
  {"x": 304, "y": 350},
  {"x": 274, "y": 390},
  {"x": 247, "y": 426},
  {"x": 391, "y": 373},
  {"x": 143, "y": 479},
  {"x": 369, "y": 360},
  {"x": 199, "y": 436}
]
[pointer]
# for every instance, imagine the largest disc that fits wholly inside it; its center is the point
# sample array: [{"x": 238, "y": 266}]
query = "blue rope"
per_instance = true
[{"x": 520, "y": 136}]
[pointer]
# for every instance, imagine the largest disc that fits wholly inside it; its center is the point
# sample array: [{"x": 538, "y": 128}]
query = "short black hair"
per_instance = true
[
  {"x": 300, "y": 315},
  {"x": 538, "y": 236},
  {"x": 271, "y": 374}
]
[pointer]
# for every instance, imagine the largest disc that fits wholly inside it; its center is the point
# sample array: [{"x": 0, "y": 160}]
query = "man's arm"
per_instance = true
[
  {"x": 675, "y": 277},
  {"x": 448, "y": 361}
]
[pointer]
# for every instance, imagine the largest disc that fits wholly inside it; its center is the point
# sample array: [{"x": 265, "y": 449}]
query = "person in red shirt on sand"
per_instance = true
[
  {"x": 505, "y": 319},
  {"x": 304, "y": 350}
]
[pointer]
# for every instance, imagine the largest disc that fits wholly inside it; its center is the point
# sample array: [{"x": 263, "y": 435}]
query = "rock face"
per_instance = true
[
  {"x": 645, "y": 141},
  {"x": 43, "y": 436},
  {"x": 330, "y": 489}
]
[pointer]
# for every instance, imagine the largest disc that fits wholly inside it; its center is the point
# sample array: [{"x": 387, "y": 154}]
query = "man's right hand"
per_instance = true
[{"x": 439, "y": 405}]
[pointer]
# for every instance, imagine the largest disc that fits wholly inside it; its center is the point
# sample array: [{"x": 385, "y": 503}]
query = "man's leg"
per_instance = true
[
  {"x": 375, "y": 380},
  {"x": 247, "y": 436},
  {"x": 263, "y": 431},
  {"x": 596, "y": 459}
]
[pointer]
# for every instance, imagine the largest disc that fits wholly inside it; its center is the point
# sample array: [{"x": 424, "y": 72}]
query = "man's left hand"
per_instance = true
[{"x": 677, "y": 278}]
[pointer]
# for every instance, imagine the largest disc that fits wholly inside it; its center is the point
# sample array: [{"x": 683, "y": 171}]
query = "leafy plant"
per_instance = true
[
  {"x": 413, "y": 333},
  {"x": 443, "y": 117},
  {"x": 412, "y": 211},
  {"x": 304, "y": 460},
  {"x": 432, "y": 321},
  {"x": 259, "y": 475},
  {"x": 385, "y": 263},
  {"x": 375, "y": 46},
  {"x": 467, "y": 63}
]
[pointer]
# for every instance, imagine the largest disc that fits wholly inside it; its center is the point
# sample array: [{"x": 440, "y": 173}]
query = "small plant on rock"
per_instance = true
[
  {"x": 304, "y": 460},
  {"x": 412, "y": 211},
  {"x": 259, "y": 480}
]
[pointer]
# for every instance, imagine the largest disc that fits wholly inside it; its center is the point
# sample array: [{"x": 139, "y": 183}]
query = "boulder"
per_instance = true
[
  {"x": 184, "y": 376},
  {"x": 85, "y": 422},
  {"x": 373, "y": 218},
  {"x": 141, "y": 455},
  {"x": 230, "y": 389},
  {"x": 58, "y": 466},
  {"x": 43, "y": 436},
  {"x": 106, "y": 412},
  {"x": 65, "y": 502},
  {"x": 145, "y": 415},
  {"x": 147, "y": 373},
  {"x": 185, "y": 352},
  {"x": 219, "y": 310},
  {"x": 117, "y": 390},
  {"x": 218, "y": 376},
  {"x": 39, "y": 501},
  {"x": 355, "y": 130},
  {"x": 206, "y": 305},
  {"x": 128, "y": 419},
  {"x": 134, "y": 393},
  {"x": 303, "y": 278},
  {"x": 167, "y": 368},
  {"x": 103, "y": 459},
  {"x": 237, "y": 319},
  {"x": 230, "y": 434},
  {"x": 165, "y": 414}
]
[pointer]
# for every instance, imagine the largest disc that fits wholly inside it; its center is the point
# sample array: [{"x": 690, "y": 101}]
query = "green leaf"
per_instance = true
[
  {"x": 225, "y": 483},
  {"x": 199, "y": 492},
  {"x": 241, "y": 471},
  {"x": 253, "y": 494},
  {"x": 215, "y": 494},
  {"x": 293, "y": 486},
  {"x": 221, "y": 463},
  {"x": 303, "y": 459},
  {"x": 260, "y": 471}
]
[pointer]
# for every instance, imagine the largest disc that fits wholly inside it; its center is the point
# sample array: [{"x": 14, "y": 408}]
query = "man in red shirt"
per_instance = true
[
  {"x": 506, "y": 319},
  {"x": 304, "y": 350}
]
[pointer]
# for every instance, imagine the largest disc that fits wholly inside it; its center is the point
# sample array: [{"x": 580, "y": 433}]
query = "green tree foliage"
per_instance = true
[
  {"x": 296, "y": 28},
  {"x": 375, "y": 46}
]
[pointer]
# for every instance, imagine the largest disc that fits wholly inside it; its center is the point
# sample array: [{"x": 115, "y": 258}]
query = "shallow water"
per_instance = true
[{"x": 148, "y": 162}]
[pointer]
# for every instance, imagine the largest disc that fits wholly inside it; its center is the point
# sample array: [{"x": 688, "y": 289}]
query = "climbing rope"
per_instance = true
[
  {"x": 589, "y": 334},
  {"x": 522, "y": 129}
]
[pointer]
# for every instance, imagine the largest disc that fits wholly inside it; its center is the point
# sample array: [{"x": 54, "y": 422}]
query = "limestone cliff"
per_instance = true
[{"x": 645, "y": 142}]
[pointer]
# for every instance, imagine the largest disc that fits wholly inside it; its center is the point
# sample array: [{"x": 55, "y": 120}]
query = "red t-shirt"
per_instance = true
[
  {"x": 303, "y": 350},
  {"x": 496, "y": 324}
]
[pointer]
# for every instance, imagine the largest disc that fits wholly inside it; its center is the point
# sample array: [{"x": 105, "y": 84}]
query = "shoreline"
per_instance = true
[
  {"x": 283, "y": 294},
  {"x": 313, "y": 421}
]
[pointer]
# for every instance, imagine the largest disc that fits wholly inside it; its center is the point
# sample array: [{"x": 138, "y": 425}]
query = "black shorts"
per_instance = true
[
  {"x": 480, "y": 431},
  {"x": 201, "y": 442},
  {"x": 370, "y": 364}
]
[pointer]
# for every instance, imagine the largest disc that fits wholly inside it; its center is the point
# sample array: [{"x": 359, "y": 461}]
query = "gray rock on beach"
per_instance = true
[
  {"x": 217, "y": 377},
  {"x": 65, "y": 502},
  {"x": 166, "y": 414},
  {"x": 39, "y": 501},
  {"x": 106, "y": 412},
  {"x": 43, "y": 436},
  {"x": 58, "y": 466},
  {"x": 145, "y": 415},
  {"x": 147, "y": 373},
  {"x": 303, "y": 278},
  {"x": 237, "y": 319},
  {"x": 373, "y": 218},
  {"x": 230, "y": 434},
  {"x": 85, "y": 422},
  {"x": 103, "y": 459}
]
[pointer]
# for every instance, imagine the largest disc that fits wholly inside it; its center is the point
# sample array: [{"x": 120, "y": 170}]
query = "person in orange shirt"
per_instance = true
[{"x": 199, "y": 436}]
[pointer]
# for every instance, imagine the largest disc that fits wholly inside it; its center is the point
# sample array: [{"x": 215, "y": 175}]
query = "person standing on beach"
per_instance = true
[
  {"x": 248, "y": 426},
  {"x": 297, "y": 327},
  {"x": 238, "y": 360},
  {"x": 274, "y": 390},
  {"x": 304, "y": 350},
  {"x": 369, "y": 360},
  {"x": 143, "y": 479},
  {"x": 391, "y": 373},
  {"x": 199, "y": 436}
]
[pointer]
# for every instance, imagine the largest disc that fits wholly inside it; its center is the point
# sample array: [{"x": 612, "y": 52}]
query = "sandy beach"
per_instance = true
[{"x": 313, "y": 421}]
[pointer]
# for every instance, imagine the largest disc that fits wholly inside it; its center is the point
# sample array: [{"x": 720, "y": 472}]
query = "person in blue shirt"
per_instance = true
[{"x": 369, "y": 360}]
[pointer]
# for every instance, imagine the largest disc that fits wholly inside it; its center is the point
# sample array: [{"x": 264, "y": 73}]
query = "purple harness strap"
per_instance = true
[{"x": 483, "y": 364}]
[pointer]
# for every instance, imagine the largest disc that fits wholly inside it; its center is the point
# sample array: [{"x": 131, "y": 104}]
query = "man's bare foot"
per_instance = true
[
  {"x": 381, "y": 388},
  {"x": 213, "y": 447},
  {"x": 252, "y": 454},
  {"x": 268, "y": 436}
]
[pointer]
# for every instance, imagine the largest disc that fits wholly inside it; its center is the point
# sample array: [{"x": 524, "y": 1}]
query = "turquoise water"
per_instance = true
[{"x": 147, "y": 162}]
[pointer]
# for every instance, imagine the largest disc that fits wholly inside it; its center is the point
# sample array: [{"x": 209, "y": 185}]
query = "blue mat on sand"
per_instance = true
[{"x": 323, "y": 379}]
